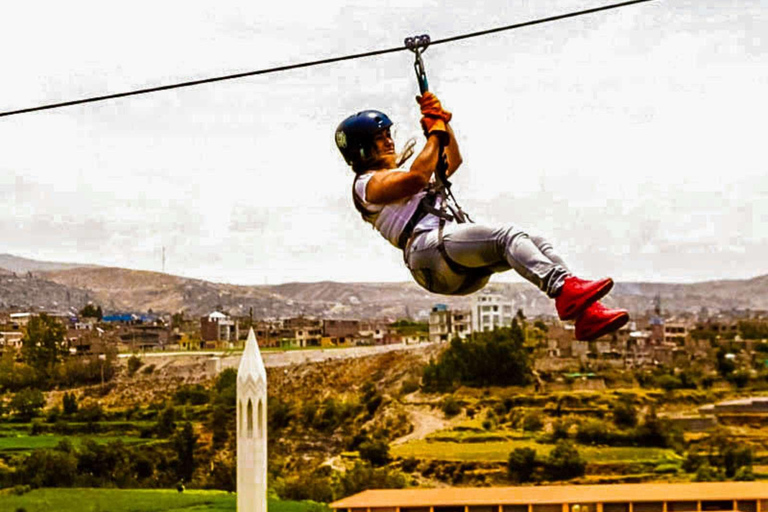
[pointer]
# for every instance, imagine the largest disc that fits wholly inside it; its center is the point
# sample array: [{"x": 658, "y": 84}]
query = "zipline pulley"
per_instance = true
[{"x": 418, "y": 45}]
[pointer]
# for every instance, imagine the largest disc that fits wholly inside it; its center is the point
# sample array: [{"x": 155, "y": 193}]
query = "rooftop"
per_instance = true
[{"x": 556, "y": 494}]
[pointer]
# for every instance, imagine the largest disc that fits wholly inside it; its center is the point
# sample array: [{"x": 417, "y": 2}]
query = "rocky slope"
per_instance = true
[{"x": 118, "y": 289}]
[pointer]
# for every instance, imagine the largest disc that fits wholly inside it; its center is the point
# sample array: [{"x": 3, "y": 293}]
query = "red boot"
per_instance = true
[
  {"x": 598, "y": 320},
  {"x": 577, "y": 294}
]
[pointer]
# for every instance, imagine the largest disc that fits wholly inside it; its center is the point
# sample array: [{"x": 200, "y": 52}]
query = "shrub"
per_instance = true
[
  {"x": 533, "y": 422},
  {"x": 560, "y": 429},
  {"x": 69, "y": 403},
  {"x": 375, "y": 452},
  {"x": 564, "y": 462},
  {"x": 625, "y": 414},
  {"x": 744, "y": 474},
  {"x": 49, "y": 468},
  {"x": 27, "y": 403},
  {"x": 668, "y": 382},
  {"x": 134, "y": 363},
  {"x": 593, "y": 432},
  {"x": 522, "y": 464},
  {"x": 194, "y": 395},
  {"x": 450, "y": 406},
  {"x": 148, "y": 369}
]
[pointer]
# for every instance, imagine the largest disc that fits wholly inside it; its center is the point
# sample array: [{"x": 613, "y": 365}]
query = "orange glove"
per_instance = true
[
  {"x": 430, "y": 106},
  {"x": 434, "y": 125}
]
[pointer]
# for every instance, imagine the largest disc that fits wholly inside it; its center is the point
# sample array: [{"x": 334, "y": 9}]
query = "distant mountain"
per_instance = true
[
  {"x": 117, "y": 289},
  {"x": 23, "y": 265}
]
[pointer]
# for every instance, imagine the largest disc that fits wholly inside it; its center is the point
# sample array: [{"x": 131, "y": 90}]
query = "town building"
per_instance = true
[
  {"x": 490, "y": 311},
  {"x": 445, "y": 323},
  {"x": 649, "y": 497},
  {"x": 219, "y": 331},
  {"x": 340, "y": 332}
]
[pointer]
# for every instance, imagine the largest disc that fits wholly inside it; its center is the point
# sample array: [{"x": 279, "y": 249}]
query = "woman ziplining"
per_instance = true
[{"x": 444, "y": 250}]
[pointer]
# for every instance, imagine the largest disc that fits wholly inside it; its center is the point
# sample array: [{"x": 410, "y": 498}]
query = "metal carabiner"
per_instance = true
[{"x": 418, "y": 45}]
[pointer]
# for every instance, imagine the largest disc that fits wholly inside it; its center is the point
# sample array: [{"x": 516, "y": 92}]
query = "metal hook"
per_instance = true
[{"x": 418, "y": 45}]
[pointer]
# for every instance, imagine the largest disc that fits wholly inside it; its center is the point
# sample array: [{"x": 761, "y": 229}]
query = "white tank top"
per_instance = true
[{"x": 390, "y": 219}]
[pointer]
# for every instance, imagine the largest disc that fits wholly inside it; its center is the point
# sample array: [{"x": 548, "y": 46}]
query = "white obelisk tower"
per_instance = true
[{"x": 251, "y": 430}]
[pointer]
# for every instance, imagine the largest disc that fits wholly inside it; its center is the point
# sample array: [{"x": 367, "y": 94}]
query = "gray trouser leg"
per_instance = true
[{"x": 485, "y": 247}]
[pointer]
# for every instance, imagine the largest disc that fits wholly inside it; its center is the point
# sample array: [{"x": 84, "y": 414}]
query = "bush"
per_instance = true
[
  {"x": 744, "y": 474},
  {"x": 668, "y": 382},
  {"x": 134, "y": 363},
  {"x": 148, "y": 369},
  {"x": 533, "y": 422},
  {"x": 593, "y": 432},
  {"x": 450, "y": 407},
  {"x": 522, "y": 464},
  {"x": 560, "y": 429},
  {"x": 706, "y": 473},
  {"x": 27, "y": 403},
  {"x": 49, "y": 468},
  {"x": 191, "y": 394},
  {"x": 69, "y": 403},
  {"x": 625, "y": 414},
  {"x": 375, "y": 452},
  {"x": 564, "y": 462}
]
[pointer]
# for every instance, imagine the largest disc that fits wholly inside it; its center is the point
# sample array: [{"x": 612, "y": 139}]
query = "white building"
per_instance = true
[{"x": 491, "y": 311}]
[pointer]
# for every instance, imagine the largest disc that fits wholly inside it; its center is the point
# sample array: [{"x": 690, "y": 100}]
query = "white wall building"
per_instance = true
[{"x": 491, "y": 311}]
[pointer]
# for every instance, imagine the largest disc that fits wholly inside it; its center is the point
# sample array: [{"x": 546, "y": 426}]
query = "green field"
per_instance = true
[
  {"x": 136, "y": 500},
  {"x": 498, "y": 451},
  {"x": 22, "y": 443}
]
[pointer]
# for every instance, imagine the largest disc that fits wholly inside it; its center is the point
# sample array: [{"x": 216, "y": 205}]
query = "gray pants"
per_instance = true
[{"x": 485, "y": 250}]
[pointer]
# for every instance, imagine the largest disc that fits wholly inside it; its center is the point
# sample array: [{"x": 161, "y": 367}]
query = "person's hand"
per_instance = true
[
  {"x": 430, "y": 106},
  {"x": 434, "y": 125}
]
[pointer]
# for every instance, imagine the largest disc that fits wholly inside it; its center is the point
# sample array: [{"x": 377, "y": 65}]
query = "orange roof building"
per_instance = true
[{"x": 651, "y": 497}]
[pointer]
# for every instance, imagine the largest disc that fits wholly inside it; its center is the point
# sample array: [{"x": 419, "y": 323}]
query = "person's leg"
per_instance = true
[
  {"x": 546, "y": 248},
  {"x": 500, "y": 248}
]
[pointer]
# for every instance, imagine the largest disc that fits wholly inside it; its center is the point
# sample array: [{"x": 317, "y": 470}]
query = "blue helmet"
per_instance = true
[{"x": 354, "y": 136}]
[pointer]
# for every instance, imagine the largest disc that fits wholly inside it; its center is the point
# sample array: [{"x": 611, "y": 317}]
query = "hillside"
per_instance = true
[
  {"x": 23, "y": 265},
  {"x": 118, "y": 289}
]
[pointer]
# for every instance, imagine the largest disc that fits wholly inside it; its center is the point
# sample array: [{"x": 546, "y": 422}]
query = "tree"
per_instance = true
[
  {"x": 376, "y": 452},
  {"x": 522, "y": 464},
  {"x": 493, "y": 358},
  {"x": 27, "y": 403},
  {"x": 166, "y": 421},
  {"x": 134, "y": 363},
  {"x": 725, "y": 365},
  {"x": 625, "y": 414},
  {"x": 42, "y": 344},
  {"x": 184, "y": 442},
  {"x": 69, "y": 403},
  {"x": 91, "y": 311},
  {"x": 564, "y": 462},
  {"x": 219, "y": 421}
]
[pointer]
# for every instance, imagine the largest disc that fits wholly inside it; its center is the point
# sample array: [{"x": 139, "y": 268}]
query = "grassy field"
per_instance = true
[
  {"x": 136, "y": 500},
  {"x": 22, "y": 443},
  {"x": 498, "y": 451}
]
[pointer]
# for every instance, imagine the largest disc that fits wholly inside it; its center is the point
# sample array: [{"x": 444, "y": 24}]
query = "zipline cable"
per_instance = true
[{"x": 316, "y": 62}]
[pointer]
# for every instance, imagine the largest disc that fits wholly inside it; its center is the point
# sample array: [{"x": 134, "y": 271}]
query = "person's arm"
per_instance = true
[
  {"x": 452, "y": 152},
  {"x": 393, "y": 185}
]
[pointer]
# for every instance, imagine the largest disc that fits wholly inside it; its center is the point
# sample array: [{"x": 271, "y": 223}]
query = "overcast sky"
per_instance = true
[{"x": 633, "y": 138}]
